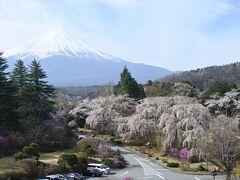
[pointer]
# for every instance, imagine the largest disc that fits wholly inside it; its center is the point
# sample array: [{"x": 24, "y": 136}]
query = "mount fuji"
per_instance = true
[{"x": 71, "y": 61}]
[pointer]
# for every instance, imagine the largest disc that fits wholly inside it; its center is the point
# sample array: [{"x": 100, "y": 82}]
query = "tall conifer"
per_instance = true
[
  {"x": 42, "y": 93},
  {"x": 128, "y": 85},
  {"x": 7, "y": 117}
]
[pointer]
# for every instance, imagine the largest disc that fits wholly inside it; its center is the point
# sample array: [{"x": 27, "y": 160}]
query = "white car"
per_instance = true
[
  {"x": 101, "y": 167},
  {"x": 52, "y": 177}
]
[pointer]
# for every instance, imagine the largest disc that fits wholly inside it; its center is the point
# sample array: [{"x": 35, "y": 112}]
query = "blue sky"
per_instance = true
[{"x": 175, "y": 34}]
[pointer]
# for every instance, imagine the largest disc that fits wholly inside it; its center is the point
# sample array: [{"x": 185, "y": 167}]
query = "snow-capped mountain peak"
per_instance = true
[
  {"x": 69, "y": 61},
  {"x": 57, "y": 43}
]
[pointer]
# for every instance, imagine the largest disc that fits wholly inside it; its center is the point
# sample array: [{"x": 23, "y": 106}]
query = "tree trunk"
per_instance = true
[{"x": 228, "y": 176}]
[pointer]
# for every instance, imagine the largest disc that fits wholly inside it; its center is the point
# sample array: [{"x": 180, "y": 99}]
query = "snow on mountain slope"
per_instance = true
[
  {"x": 70, "y": 61},
  {"x": 57, "y": 43}
]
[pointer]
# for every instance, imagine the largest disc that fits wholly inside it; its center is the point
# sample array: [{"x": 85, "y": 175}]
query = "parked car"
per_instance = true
[
  {"x": 76, "y": 176},
  {"x": 52, "y": 177},
  {"x": 93, "y": 172},
  {"x": 65, "y": 177},
  {"x": 101, "y": 167}
]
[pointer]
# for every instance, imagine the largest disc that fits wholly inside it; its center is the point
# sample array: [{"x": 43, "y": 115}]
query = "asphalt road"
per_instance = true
[{"x": 141, "y": 168}]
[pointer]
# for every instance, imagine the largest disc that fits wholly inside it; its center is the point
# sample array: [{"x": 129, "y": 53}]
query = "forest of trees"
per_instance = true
[
  {"x": 26, "y": 98},
  {"x": 202, "y": 78},
  {"x": 172, "y": 112}
]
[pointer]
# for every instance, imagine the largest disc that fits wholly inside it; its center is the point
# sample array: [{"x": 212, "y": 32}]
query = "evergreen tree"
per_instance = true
[
  {"x": 6, "y": 110},
  {"x": 19, "y": 75},
  {"x": 33, "y": 96},
  {"x": 41, "y": 102},
  {"x": 219, "y": 87},
  {"x": 128, "y": 85},
  {"x": 22, "y": 92}
]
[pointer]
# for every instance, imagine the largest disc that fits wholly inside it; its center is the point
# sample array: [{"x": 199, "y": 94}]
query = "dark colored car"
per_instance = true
[
  {"x": 76, "y": 176},
  {"x": 93, "y": 172}
]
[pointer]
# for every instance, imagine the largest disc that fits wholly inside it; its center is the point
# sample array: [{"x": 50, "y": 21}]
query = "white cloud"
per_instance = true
[{"x": 121, "y": 3}]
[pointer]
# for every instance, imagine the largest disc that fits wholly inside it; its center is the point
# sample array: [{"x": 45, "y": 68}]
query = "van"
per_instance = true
[{"x": 101, "y": 167}]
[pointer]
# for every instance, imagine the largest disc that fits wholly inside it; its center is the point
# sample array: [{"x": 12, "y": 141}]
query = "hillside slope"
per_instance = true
[{"x": 201, "y": 78}]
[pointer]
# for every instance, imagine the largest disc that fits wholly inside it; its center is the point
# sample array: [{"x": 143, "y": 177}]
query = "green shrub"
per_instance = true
[
  {"x": 157, "y": 158},
  {"x": 31, "y": 150},
  {"x": 90, "y": 152},
  {"x": 173, "y": 164},
  {"x": 80, "y": 121},
  {"x": 19, "y": 156},
  {"x": 68, "y": 159},
  {"x": 67, "y": 118},
  {"x": 165, "y": 160},
  {"x": 108, "y": 162},
  {"x": 82, "y": 162},
  {"x": 86, "y": 147},
  {"x": 81, "y": 144}
]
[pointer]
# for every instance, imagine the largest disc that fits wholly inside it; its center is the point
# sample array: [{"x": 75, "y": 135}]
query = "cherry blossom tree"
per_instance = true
[
  {"x": 221, "y": 144},
  {"x": 228, "y": 105},
  {"x": 179, "y": 120},
  {"x": 104, "y": 150}
]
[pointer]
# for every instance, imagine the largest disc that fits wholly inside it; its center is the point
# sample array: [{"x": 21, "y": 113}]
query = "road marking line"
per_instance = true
[
  {"x": 146, "y": 178},
  {"x": 153, "y": 164},
  {"x": 197, "y": 178},
  {"x": 160, "y": 176},
  {"x": 162, "y": 169},
  {"x": 124, "y": 174},
  {"x": 144, "y": 159},
  {"x": 146, "y": 166}
]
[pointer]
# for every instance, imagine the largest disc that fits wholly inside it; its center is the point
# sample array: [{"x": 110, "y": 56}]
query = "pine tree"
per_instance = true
[
  {"x": 22, "y": 92},
  {"x": 41, "y": 93},
  {"x": 19, "y": 75},
  {"x": 6, "y": 110},
  {"x": 128, "y": 85}
]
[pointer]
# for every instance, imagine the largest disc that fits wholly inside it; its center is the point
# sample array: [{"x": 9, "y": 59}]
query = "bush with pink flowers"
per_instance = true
[{"x": 3, "y": 145}]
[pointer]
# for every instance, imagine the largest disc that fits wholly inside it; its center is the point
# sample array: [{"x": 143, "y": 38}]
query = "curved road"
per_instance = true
[{"x": 141, "y": 168}]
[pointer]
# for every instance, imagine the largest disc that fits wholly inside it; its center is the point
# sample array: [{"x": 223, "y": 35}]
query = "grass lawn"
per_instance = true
[
  {"x": 5, "y": 163},
  {"x": 50, "y": 158},
  {"x": 84, "y": 130}
]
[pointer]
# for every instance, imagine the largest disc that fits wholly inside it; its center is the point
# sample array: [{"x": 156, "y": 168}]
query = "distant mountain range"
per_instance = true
[
  {"x": 70, "y": 61},
  {"x": 201, "y": 78}
]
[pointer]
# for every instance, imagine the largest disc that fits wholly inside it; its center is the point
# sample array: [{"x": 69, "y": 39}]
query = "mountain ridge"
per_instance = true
[
  {"x": 203, "y": 77},
  {"x": 72, "y": 62}
]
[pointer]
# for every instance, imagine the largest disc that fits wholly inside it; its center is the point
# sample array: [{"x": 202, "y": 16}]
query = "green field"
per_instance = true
[{"x": 50, "y": 158}]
